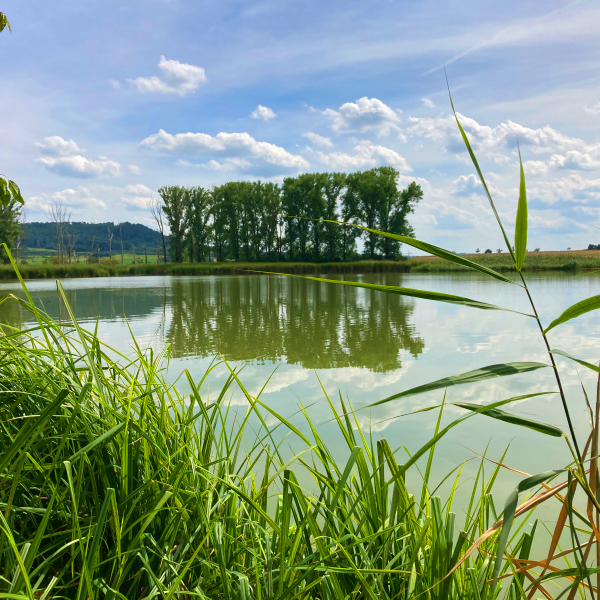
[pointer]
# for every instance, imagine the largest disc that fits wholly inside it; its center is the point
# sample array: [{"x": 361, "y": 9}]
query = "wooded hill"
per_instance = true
[{"x": 89, "y": 236}]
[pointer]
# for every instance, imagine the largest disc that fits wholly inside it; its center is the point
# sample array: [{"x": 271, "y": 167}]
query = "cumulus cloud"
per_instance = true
[
  {"x": 226, "y": 145},
  {"x": 134, "y": 169},
  {"x": 57, "y": 146},
  {"x": 427, "y": 102},
  {"x": 85, "y": 199},
  {"x": 65, "y": 158},
  {"x": 318, "y": 140},
  {"x": 573, "y": 189},
  {"x": 262, "y": 113},
  {"x": 491, "y": 141},
  {"x": 364, "y": 115},
  {"x": 136, "y": 196},
  {"x": 177, "y": 78},
  {"x": 75, "y": 199},
  {"x": 366, "y": 155},
  {"x": 466, "y": 185}
]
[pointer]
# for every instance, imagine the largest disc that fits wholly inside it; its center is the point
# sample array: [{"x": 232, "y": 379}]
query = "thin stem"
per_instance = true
[{"x": 558, "y": 381}]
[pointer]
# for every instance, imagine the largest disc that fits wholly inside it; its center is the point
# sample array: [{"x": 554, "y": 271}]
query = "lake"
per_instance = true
[{"x": 362, "y": 344}]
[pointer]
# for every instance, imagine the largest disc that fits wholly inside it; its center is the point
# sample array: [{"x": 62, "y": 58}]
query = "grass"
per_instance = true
[
  {"x": 557, "y": 261},
  {"x": 114, "y": 485}
]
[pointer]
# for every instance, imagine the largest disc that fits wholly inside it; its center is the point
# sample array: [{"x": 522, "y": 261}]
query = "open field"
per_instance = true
[{"x": 565, "y": 261}]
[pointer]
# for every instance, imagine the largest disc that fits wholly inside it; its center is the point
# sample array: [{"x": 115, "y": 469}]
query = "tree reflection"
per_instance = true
[
  {"x": 254, "y": 318},
  {"x": 302, "y": 322}
]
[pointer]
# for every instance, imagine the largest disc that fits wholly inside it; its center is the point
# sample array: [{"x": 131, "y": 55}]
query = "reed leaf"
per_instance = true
[
  {"x": 489, "y": 372},
  {"x": 402, "y": 291},
  {"x": 578, "y": 309},
  {"x": 514, "y": 419},
  {"x": 521, "y": 222}
]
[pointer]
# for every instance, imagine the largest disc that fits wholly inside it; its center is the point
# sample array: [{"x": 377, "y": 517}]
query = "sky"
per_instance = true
[{"x": 102, "y": 103}]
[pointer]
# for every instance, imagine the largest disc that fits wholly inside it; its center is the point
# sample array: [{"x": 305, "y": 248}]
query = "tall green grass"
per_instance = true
[{"x": 114, "y": 485}]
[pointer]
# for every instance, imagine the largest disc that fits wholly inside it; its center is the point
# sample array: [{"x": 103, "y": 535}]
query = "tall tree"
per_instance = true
[
  {"x": 10, "y": 225},
  {"x": 156, "y": 210},
  {"x": 173, "y": 198},
  {"x": 197, "y": 214},
  {"x": 271, "y": 214},
  {"x": 334, "y": 183}
]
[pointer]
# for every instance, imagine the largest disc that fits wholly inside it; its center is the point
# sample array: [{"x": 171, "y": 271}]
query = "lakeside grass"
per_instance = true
[
  {"x": 535, "y": 261},
  {"x": 116, "y": 485}
]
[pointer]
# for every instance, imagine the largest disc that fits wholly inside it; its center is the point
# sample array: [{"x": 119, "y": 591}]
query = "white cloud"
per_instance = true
[
  {"x": 137, "y": 196},
  {"x": 230, "y": 164},
  {"x": 177, "y": 78},
  {"x": 85, "y": 199},
  {"x": 492, "y": 141},
  {"x": 318, "y": 140},
  {"x": 364, "y": 115},
  {"x": 79, "y": 166},
  {"x": 57, "y": 146},
  {"x": 134, "y": 169},
  {"x": 64, "y": 157},
  {"x": 263, "y": 113},
  {"x": 227, "y": 145},
  {"x": 595, "y": 109},
  {"x": 75, "y": 199},
  {"x": 427, "y": 102},
  {"x": 367, "y": 155}
]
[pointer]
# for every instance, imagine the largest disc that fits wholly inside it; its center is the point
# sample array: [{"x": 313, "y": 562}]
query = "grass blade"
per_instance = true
[
  {"x": 521, "y": 224},
  {"x": 578, "y": 309},
  {"x": 514, "y": 419},
  {"x": 489, "y": 372}
]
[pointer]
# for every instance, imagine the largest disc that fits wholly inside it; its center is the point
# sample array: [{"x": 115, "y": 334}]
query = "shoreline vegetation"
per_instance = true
[
  {"x": 118, "y": 486},
  {"x": 536, "y": 261}
]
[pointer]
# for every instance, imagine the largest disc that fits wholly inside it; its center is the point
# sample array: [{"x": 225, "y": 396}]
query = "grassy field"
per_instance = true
[
  {"x": 557, "y": 261},
  {"x": 41, "y": 256}
]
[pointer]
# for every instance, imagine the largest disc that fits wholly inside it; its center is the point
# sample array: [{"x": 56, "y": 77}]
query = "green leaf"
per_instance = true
[
  {"x": 436, "y": 438},
  {"x": 575, "y": 311},
  {"x": 583, "y": 363},
  {"x": 489, "y": 372},
  {"x": 431, "y": 249},
  {"x": 402, "y": 291},
  {"x": 480, "y": 174},
  {"x": 521, "y": 224},
  {"x": 4, "y": 193},
  {"x": 99, "y": 440},
  {"x": 509, "y": 513},
  {"x": 501, "y": 415},
  {"x": 16, "y": 192}
]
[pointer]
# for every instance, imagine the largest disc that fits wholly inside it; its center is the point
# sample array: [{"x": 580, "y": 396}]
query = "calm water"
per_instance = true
[{"x": 364, "y": 345}]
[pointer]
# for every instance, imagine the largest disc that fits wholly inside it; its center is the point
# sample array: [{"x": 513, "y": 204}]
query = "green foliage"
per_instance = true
[
  {"x": 4, "y": 22},
  {"x": 116, "y": 485},
  {"x": 10, "y": 224}
]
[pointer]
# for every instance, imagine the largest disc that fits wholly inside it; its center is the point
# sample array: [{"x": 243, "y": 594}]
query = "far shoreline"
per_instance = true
[{"x": 567, "y": 260}]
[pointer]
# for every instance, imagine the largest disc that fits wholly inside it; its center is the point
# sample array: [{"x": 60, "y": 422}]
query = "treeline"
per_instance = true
[
  {"x": 105, "y": 238},
  {"x": 254, "y": 221}
]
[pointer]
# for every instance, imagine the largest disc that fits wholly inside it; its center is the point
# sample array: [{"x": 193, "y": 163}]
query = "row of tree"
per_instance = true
[{"x": 255, "y": 221}]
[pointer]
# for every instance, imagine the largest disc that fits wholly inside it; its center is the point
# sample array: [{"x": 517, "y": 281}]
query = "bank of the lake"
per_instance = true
[{"x": 536, "y": 261}]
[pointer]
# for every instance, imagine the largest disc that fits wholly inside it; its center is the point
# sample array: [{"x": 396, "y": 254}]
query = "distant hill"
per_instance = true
[{"x": 43, "y": 236}]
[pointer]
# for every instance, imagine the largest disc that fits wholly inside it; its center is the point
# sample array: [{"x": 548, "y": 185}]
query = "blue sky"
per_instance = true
[{"x": 101, "y": 103}]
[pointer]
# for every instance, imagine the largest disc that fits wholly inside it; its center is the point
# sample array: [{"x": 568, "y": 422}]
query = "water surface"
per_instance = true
[{"x": 361, "y": 344}]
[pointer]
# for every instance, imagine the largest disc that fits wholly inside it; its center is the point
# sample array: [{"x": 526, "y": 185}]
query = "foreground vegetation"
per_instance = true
[{"x": 114, "y": 485}]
